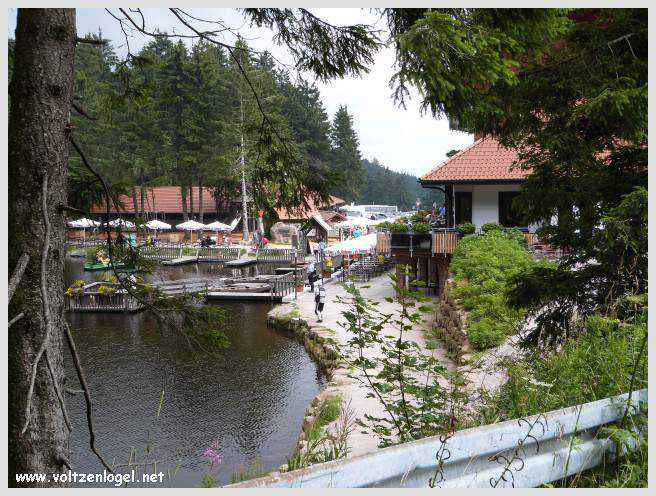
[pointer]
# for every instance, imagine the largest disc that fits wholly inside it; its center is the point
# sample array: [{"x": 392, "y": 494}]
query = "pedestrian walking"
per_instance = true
[
  {"x": 319, "y": 301},
  {"x": 311, "y": 273}
]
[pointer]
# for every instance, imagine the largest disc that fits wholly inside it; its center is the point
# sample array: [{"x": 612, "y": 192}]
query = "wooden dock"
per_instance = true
[
  {"x": 241, "y": 262},
  {"x": 93, "y": 297},
  {"x": 187, "y": 259}
]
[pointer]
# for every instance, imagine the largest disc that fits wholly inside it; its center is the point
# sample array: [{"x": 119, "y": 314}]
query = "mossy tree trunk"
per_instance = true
[{"x": 41, "y": 94}]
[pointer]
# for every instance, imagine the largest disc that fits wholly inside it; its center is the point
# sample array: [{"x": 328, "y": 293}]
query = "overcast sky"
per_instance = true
[{"x": 403, "y": 140}]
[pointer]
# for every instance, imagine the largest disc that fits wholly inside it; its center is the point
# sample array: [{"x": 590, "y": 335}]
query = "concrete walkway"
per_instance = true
[{"x": 349, "y": 388}]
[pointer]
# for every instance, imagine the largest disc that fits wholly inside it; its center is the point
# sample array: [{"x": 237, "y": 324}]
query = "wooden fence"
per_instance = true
[
  {"x": 444, "y": 242},
  {"x": 283, "y": 285},
  {"x": 161, "y": 252},
  {"x": 218, "y": 254},
  {"x": 273, "y": 255},
  {"x": 92, "y": 300}
]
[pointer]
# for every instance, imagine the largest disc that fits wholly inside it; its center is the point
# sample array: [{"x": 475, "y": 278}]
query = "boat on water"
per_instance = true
[{"x": 108, "y": 266}]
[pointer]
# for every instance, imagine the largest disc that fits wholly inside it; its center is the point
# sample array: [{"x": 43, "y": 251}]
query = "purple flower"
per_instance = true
[{"x": 212, "y": 455}]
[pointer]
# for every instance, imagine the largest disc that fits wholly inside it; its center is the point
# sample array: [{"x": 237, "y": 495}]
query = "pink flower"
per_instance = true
[{"x": 212, "y": 454}]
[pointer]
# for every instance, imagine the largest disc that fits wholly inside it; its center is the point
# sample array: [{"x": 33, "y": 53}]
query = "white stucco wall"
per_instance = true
[{"x": 485, "y": 201}]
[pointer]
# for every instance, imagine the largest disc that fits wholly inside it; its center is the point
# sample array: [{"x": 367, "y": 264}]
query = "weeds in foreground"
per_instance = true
[{"x": 322, "y": 444}]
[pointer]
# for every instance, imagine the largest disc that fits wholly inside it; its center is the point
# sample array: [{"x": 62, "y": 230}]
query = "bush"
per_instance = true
[
  {"x": 420, "y": 227},
  {"x": 598, "y": 363},
  {"x": 384, "y": 225},
  {"x": 399, "y": 227},
  {"x": 482, "y": 266},
  {"x": 419, "y": 216},
  {"x": 485, "y": 333},
  {"x": 466, "y": 228},
  {"x": 491, "y": 226}
]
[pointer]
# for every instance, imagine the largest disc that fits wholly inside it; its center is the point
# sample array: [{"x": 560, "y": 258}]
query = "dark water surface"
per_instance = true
[{"x": 251, "y": 397}]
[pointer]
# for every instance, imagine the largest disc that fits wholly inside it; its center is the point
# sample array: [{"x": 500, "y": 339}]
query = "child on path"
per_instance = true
[{"x": 319, "y": 301}]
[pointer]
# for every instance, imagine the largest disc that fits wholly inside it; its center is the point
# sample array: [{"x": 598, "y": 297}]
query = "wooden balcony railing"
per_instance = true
[{"x": 444, "y": 241}]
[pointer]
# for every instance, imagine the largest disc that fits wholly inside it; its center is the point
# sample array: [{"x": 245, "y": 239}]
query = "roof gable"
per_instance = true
[{"x": 485, "y": 160}]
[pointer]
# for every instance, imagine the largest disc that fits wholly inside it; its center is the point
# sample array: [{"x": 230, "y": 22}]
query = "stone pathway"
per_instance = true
[{"x": 349, "y": 388}]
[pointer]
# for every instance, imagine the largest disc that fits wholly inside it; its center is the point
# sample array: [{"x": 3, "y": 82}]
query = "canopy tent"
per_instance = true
[
  {"x": 363, "y": 244},
  {"x": 158, "y": 225}
]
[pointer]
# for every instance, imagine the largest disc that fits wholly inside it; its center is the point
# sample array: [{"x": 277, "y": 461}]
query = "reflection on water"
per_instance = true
[{"x": 251, "y": 397}]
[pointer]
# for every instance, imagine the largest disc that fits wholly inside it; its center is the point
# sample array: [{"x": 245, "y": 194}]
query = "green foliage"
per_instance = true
[
  {"x": 321, "y": 445},
  {"x": 329, "y": 410},
  {"x": 482, "y": 266},
  {"x": 406, "y": 190},
  {"x": 400, "y": 375},
  {"x": 491, "y": 226},
  {"x": 346, "y": 159},
  {"x": 419, "y": 216},
  {"x": 399, "y": 227},
  {"x": 466, "y": 228},
  {"x": 420, "y": 227}
]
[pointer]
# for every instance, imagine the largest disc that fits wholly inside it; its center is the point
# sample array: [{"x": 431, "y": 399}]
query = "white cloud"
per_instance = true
[{"x": 403, "y": 140}]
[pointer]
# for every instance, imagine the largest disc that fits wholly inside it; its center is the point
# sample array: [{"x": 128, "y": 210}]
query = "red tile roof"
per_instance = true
[
  {"x": 167, "y": 199},
  {"x": 484, "y": 160},
  {"x": 306, "y": 213}
]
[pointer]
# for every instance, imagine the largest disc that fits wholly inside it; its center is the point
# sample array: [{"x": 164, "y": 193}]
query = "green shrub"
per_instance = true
[
  {"x": 420, "y": 227},
  {"x": 384, "y": 225},
  {"x": 485, "y": 333},
  {"x": 491, "y": 226},
  {"x": 399, "y": 227},
  {"x": 466, "y": 228},
  {"x": 419, "y": 216},
  {"x": 596, "y": 364},
  {"x": 482, "y": 266}
]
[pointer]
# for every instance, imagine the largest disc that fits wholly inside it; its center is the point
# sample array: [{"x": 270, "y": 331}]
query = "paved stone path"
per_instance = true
[{"x": 349, "y": 388}]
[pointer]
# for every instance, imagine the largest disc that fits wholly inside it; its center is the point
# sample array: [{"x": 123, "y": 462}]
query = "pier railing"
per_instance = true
[
  {"x": 218, "y": 254},
  {"x": 93, "y": 300},
  {"x": 283, "y": 285},
  {"x": 528, "y": 452},
  {"x": 161, "y": 252},
  {"x": 276, "y": 255}
]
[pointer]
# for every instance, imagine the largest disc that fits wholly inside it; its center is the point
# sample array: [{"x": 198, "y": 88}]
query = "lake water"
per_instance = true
[{"x": 251, "y": 397}]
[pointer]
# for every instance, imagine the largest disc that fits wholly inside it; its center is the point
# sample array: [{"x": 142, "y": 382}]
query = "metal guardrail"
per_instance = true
[{"x": 478, "y": 457}]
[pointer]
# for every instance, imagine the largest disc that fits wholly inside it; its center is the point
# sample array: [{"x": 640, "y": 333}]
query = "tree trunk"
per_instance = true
[
  {"x": 244, "y": 201},
  {"x": 183, "y": 194},
  {"x": 135, "y": 202},
  {"x": 41, "y": 94},
  {"x": 200, "y": 199},
  {"x": 191, "y": 200}
]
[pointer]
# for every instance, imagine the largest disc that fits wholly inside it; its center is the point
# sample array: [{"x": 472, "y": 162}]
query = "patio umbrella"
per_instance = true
[
  {"x": 158, "y": 225},
  {"x": 191, "y": 225},
  {"x": 218, "y": 226},
  {"x": 124, "y": 224},
  {"x": 83, "y": 223}
]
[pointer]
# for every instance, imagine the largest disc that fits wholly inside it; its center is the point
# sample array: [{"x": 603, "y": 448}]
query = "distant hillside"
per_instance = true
[{"x": 385, "y": 186}]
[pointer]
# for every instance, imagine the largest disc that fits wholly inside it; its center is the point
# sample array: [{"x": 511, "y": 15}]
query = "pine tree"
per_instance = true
[{"x": 346, "y": 156}]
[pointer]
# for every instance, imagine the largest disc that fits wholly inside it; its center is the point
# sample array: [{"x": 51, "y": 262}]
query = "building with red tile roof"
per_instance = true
[
  {"x": 484, "y": 160},
  {"x": 479, "y": 184}
]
